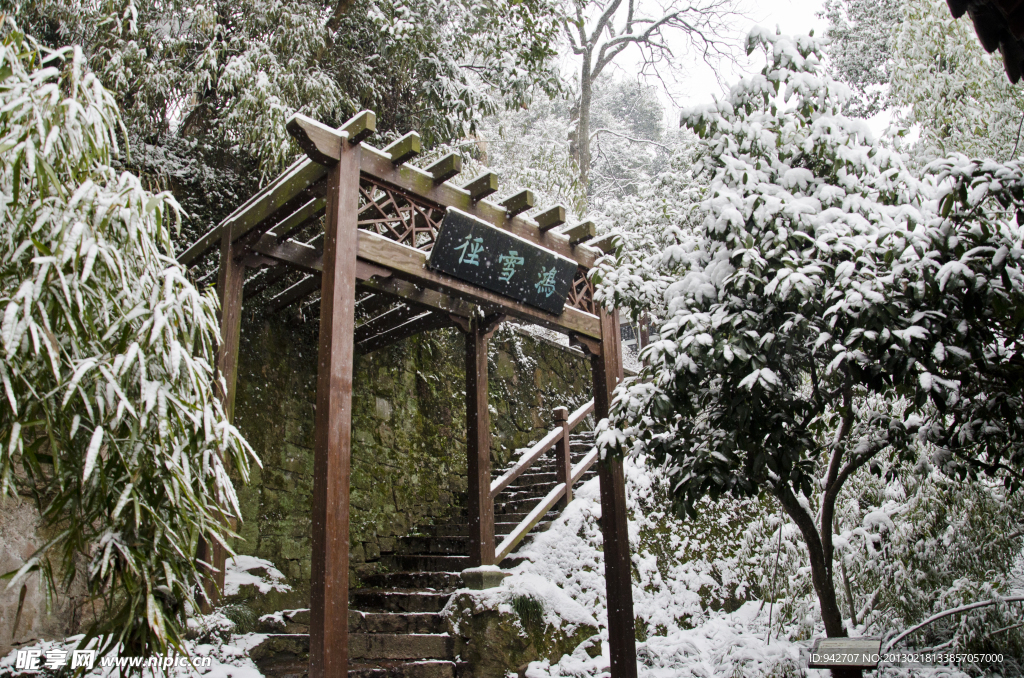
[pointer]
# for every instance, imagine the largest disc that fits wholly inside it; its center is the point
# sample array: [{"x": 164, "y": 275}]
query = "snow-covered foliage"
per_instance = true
[
  {"x": 232, "y": 72},
  {"x": 109, "y": 418},
  {"x": 931, "y": 73},
  {"x": 242, "y": 571},
  {"x": 826, "y": 281},
  {"x": 210, "y": 638},
  {"x": 949, "y": 86}
]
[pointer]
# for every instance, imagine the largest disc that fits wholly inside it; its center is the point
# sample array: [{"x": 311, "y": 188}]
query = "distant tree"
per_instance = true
[
  {"x": 599, "y": 31},
  {"x": 108, "y": 416},
  {"x": 826, "y": 280},
  {"x": 863, "y": 39},
  {"x": 629, "y": 145}
]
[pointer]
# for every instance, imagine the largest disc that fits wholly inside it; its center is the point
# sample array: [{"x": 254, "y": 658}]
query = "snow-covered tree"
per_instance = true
[
  {"x": 599, "y": 31},
  {"x": 205, "y": 89},
  {"x": 826, "y": 281},
  {"x": 109, "y": 418},
  {"x": 233, "y": 72}
]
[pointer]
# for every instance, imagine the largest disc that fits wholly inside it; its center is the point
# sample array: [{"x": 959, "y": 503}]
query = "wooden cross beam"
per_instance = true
[
  {"x": 445, "y": 168},
  {"x": 518, "y": 203},
  {"x": 483, "y": 186},
  {"x": 551, "y": 218},
  {"x": 406, "y": 148},
  {"x": 581, "y": 232},
  {"x": 276, "y": 202}
]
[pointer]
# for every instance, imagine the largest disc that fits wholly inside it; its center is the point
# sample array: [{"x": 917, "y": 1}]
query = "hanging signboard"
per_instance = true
[{"x": 473, "y": 250}]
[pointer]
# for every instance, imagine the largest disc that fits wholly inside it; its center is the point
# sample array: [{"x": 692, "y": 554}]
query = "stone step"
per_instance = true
[
  {"x": 419, "y": 669},
  {"x": 420, "y": 563},
  {"x": 531, "y": 477},
  {"x": 400, "y": 646},
  {"x": 456, "y": 546},
  {"x": 370, "y": 656},
  {"x": 521, "y": 506},
  {"x": 395, "y": 622},
  {"x": 500, "y": 528},
  {"x": 397, "y": 600},
  {"x": 418, "y": 580},
  {"x": 526, "y": 492}
]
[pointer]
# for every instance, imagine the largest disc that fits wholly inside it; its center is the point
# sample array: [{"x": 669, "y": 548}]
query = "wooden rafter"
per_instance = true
[{"x": 421, "y": 322}]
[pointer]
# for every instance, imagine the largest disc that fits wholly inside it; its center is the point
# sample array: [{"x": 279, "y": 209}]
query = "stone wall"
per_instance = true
[
  {"x": 24, "y": 617},
  {"x": 409, "y": 435}
]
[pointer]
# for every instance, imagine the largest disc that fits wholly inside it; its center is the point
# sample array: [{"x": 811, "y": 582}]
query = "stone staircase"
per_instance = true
[{"x": 395, "y": 626}]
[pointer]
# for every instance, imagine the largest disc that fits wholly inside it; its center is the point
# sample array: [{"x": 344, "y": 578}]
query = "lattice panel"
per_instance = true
[
  {"x": 398, "y": 216},
  {"x": 581, "y": 294}
]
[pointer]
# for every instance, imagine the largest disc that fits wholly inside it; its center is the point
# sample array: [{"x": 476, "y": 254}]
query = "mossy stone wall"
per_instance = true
[{"x": 408, "y": 434}]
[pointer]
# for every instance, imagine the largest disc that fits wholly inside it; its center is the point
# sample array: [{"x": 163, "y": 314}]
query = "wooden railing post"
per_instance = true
[
  {"x": 229, "y": 289},
  {"x": 563, "y": 460},
  {"x": 478, "y": 439},
  {"x": 328, "y": 630},
  {"x": 607, "y": 368}
]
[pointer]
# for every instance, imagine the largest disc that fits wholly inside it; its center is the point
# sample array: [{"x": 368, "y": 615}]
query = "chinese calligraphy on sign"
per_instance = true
[
  {"x": 471, "y": 248},
  {"x": 508, "y": 265},
  {"x": 546, "y": 284},
  {"x": 494, "y": 259}
]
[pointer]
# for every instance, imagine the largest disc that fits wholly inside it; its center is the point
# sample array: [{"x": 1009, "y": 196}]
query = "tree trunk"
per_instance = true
[
  {"x": 583, "y": 124},
  {"x": 821, "y": 573}
]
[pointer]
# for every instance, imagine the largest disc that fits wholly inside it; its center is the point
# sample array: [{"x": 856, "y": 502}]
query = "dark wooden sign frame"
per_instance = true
[{"x": 382, "y": 219}]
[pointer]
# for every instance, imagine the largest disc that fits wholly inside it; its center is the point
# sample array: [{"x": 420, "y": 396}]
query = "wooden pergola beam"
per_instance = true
[
  {"x": 301, "y": 256},
  {"x": 421, "y": 296},
  {"x": 300, "y": 218},
  {"x": 297, "y": 292},
  {"x": 274, "y": 203},
  {"x": 259, "y": 283},
  {"x": 445, "y": 168},
  {"x": 405, "y": 149},
  {"x": 548, "y": 219},
  {"x": 581, "y": 232},
  {"x": 519, "y": 203},
  {"x": 419, "y": 182},
  {"x": 483, "y": 186}
]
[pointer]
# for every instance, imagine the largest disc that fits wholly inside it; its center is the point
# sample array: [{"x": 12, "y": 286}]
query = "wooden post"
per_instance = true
[
  {"x": 328, "y": 630},
  {"x": 563, "y": 460},
  {"x": 607, "y": 368},
  {"x": 229, "y": 289},
  {"x": 478, "y": 439}
]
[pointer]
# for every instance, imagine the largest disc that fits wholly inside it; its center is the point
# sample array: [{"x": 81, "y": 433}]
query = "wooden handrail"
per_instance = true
[
  {"x": 538, "y": 450},
  {"x": 534, "y": 516},
  {"x": 556, "y": 493}
]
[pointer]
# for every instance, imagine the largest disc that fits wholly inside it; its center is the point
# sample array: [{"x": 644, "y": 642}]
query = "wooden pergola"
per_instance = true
[{"x": 371, "y": 260}]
